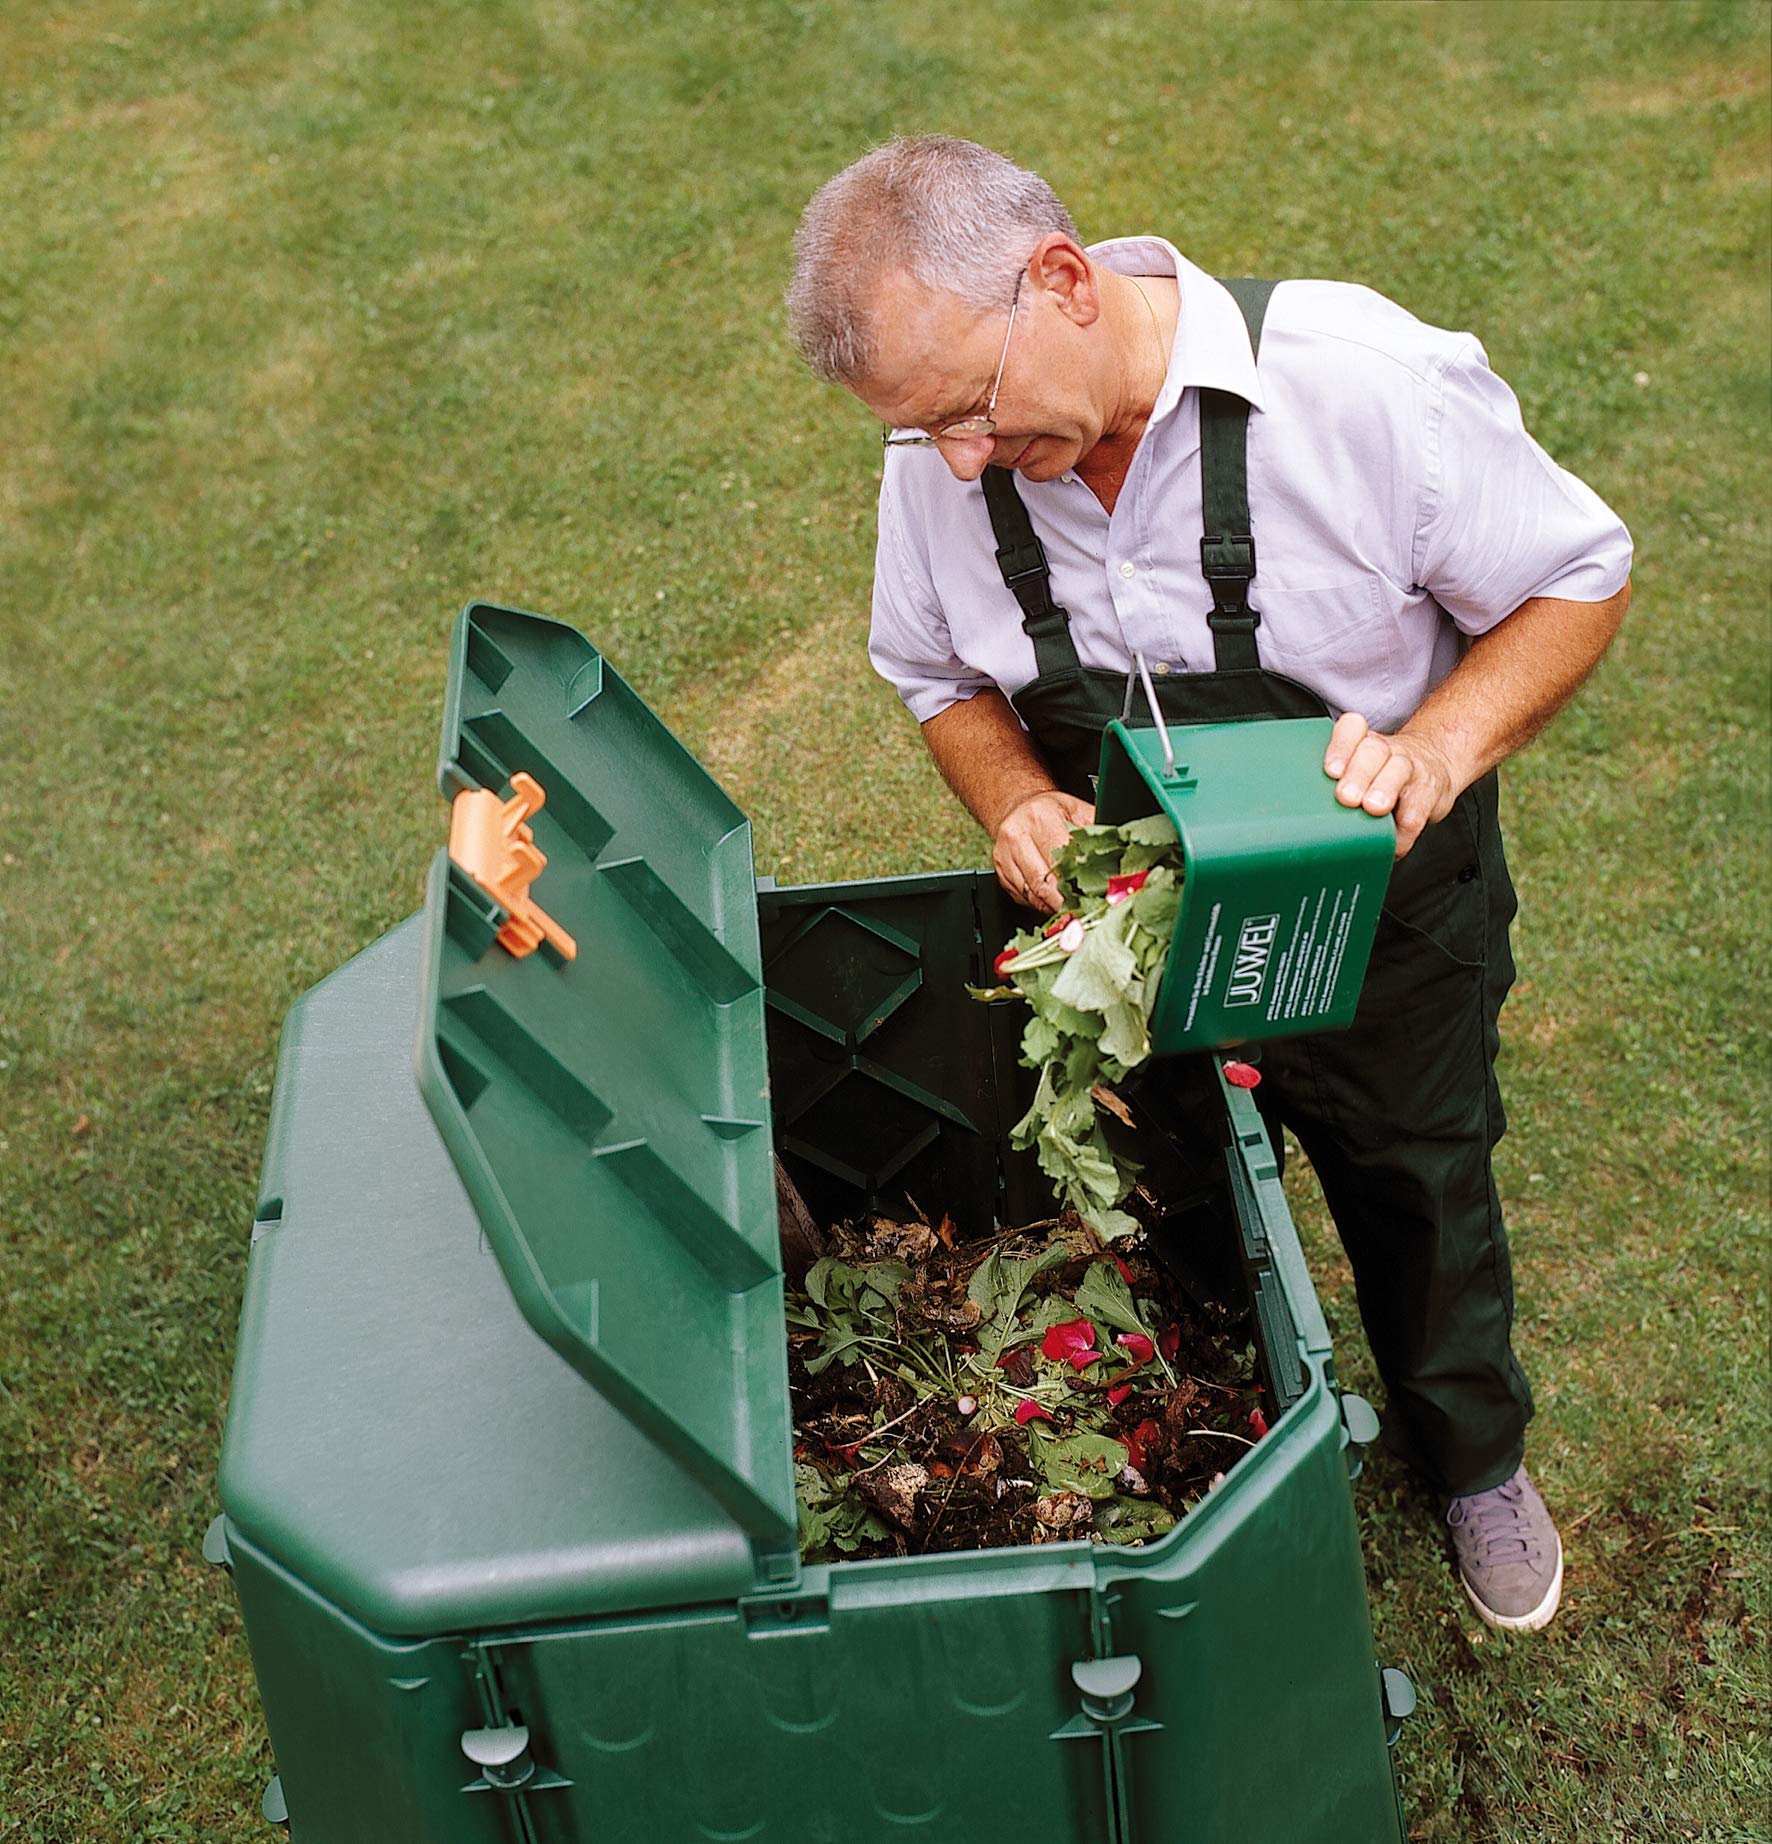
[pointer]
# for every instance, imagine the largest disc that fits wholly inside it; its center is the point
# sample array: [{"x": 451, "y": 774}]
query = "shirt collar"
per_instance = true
[{"x": 1211, "y": 346}]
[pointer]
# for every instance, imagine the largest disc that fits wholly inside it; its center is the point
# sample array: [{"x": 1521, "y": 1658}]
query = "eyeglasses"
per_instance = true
[{"x": 967, "y": 426}]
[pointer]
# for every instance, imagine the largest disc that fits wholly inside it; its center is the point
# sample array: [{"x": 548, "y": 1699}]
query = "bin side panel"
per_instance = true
[
  {"x": 367, "y": 1729},
  {"x": 1259, "y": 1658}
]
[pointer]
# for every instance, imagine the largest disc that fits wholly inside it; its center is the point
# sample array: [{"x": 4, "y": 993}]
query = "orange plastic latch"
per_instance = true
[{"x": 489, "y": 839}]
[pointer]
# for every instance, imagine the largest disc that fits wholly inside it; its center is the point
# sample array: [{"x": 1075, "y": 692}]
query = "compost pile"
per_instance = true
[{"x": 1032, "y": 1388}]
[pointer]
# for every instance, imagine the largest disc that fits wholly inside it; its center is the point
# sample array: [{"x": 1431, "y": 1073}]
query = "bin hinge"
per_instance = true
[
  {"x": 1359, "y": 1428},
  {"x": 1107, "y": 1687}
]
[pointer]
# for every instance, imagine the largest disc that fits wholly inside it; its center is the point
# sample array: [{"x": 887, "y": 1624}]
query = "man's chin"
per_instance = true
[{"x": 1042, "y": 459}]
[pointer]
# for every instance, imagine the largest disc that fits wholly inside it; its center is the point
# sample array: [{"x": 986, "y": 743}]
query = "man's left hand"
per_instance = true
[{"x": 1403, "y": 775}]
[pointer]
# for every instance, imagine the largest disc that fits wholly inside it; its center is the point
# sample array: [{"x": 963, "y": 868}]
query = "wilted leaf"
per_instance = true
[{"x": 1104, "y": 1097}]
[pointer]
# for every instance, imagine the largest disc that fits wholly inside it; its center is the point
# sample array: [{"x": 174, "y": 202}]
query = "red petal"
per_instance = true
[
  {"x": 1118, "y": 1394},
  {"x": 1026, "y": 1411},
  {"x": 1242, "y": 1075},
  {"x": 1065, "y": 1341},
  {"x": 1001, "y": 964},
  {"x": 1125, "y": 1272},
  {"x": 1138, "y": 1440},
  {"x": 1081, "y": 1360},
  {"x": 1171, "y": 1340},
  {"x": 1120, "y": 889},
  {"x": 1137, "y": 1345},
  {"x": 1057, "y": 922},
  {"x": 1258, "y": 1422}
]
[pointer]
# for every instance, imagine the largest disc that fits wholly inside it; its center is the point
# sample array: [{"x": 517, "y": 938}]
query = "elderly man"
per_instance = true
[{"x": 1290, "y": 499}]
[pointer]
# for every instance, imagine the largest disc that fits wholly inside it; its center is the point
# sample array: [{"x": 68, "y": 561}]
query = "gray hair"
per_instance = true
[{"x": 951, "y": 214}]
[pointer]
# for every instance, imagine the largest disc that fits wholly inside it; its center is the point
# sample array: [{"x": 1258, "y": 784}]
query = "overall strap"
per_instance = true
[
  {"x": 1227, "y": 550},
  {"x": 1022, "y": 559}
]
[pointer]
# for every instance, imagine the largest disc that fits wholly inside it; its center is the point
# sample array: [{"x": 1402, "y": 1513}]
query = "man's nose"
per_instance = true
[{"x": 967, "y": 456}]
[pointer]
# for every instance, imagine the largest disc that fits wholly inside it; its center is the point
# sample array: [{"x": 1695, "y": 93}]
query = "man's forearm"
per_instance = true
[
  {"x": 987, "y": 759},
  {"x": 1513, "y": 680},
  {"x": 985, "y": 756}
]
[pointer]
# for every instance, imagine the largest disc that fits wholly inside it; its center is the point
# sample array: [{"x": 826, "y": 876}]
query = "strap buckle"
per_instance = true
[
  {"x": 1023, "y": 561},
  {"x": 1227, "y": 561},
  {"x": 1227, "y": 557}
]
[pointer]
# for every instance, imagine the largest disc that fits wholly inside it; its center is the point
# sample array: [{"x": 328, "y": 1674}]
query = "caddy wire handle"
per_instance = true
[{"x": 1150, "y": 698}]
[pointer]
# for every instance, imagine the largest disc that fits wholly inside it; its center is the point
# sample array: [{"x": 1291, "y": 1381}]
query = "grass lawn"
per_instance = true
[{"x": 317, "y": 319}]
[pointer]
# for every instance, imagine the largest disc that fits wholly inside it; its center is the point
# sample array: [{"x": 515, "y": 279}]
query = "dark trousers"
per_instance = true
[{"x": 1399, "y": 1115}]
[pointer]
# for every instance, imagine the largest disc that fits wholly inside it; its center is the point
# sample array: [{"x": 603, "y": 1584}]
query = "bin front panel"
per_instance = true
[{"x": 898, "y": 1717}]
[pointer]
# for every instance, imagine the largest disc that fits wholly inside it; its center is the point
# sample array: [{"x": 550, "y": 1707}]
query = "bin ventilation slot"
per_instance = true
[
  {"x": 531, "y": 1062},
  {"x": 486, "y": 661},
  {"x": 586, "y": 687},
  {"x": 696, "y": 1224},
  {"x": 701, "y": 955},
  {"x": 466, "y": 1076}
]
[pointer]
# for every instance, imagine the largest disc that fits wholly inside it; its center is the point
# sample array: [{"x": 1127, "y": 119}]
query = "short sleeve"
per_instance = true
[
  {"x": 909, "y": 644},
  {"x": 1499, "y": 521}
]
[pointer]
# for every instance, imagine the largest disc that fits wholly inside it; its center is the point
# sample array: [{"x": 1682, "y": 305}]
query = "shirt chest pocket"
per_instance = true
[{"x": 1341, "y": 640}]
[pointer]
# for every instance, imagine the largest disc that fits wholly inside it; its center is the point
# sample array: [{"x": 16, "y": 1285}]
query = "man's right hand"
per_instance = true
[{"x": 1029, "y": 836}]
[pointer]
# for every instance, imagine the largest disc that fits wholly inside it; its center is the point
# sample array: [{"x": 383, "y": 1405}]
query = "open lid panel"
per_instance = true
[{"x": 609, "y": 1111}]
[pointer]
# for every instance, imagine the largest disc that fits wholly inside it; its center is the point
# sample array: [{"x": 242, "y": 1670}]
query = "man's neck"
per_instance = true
[{"x": 1145, "y": 313}]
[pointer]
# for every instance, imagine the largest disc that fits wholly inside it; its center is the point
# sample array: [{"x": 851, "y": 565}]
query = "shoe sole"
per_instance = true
[{"x": 1532, "y": 1622}]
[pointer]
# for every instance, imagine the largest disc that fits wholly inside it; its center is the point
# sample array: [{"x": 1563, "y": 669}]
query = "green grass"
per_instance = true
[{"x": 317, "y": 319}]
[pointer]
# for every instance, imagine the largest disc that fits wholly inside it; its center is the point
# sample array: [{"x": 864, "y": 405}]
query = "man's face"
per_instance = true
[{"x": 936, "y": 358}]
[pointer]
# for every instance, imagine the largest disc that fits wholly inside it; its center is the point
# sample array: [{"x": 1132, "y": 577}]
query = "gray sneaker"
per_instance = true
[{"x": 1510, "y": 1557}]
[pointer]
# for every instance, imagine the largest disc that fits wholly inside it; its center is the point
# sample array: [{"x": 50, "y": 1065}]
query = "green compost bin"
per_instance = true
[
  {"x": 506, "y": 1482},
  {"x": 1282, "y": 884}
]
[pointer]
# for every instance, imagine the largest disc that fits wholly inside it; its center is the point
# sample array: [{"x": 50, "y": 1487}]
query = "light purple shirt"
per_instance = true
[{"x": 1397, "y": 501}]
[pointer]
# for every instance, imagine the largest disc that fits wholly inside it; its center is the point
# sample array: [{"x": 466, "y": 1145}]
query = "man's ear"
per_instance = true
[{"x": 1060, "y": 268}]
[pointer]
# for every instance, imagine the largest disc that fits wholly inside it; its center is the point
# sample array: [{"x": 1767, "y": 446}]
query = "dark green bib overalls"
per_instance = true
[{"x": 1398, "y": 1115}]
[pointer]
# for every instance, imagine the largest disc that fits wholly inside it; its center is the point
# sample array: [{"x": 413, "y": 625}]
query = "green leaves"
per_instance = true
[
  {"x": 996, "y": 1289},
  {"x": 858, "y": 1304},
  {"x": 831, "y": 1516},
  {"x": 1080, "y": 1462},
  {"x": 1091, "y": 1007}
]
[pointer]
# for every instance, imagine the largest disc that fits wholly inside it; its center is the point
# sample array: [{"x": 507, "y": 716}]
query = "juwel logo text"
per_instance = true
[{"x": 1255, "y": 942}]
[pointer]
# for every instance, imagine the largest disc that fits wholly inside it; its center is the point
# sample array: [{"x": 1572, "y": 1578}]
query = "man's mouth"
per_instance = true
[{"x": 1022, "y": 456}]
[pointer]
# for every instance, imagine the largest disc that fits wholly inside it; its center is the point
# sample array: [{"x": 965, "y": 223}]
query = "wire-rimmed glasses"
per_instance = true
[{"x": 967, "y": 426}]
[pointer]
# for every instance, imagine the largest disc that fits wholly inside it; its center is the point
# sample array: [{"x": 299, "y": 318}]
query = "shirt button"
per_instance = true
[
  {"x": 1128, "y": 568},
  {"x": 1161, "y": 666}
]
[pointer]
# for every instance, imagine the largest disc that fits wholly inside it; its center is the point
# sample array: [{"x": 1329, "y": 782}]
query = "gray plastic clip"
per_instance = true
[
  {"x": 1399, "y": 1702},
  {"x": 1359, "y": 1428},
  {"x": 502, "y": 1756}
]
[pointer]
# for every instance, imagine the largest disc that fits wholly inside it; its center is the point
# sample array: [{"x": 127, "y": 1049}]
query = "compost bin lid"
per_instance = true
[{"x": 603, "y": 1089}]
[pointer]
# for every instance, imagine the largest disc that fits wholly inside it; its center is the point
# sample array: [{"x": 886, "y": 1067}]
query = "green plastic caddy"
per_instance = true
[{"x": 507, "y": 1481}]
